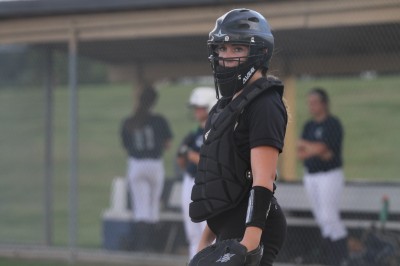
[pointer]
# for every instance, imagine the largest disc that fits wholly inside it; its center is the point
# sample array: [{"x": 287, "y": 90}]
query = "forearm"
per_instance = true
[
  {"x": 307, "y": 149},
  {"x": 264, "y": 161},
  {"x": 252, "y": 237},
  {"x": 207, "y": 238},
  {"x": 302, "y": 154}
]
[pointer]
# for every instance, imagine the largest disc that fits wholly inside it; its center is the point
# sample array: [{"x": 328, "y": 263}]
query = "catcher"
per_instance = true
[{"x": 244, "y": 135}]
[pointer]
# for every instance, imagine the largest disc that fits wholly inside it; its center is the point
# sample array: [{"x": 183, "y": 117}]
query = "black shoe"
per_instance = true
[{"x": 339, "y": 253}]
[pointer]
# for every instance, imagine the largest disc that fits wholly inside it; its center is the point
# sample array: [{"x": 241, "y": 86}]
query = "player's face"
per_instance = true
[
  {"x": 200, "y": 113},
  {"x": 315, "y": 105},
  {"x": 232, "y": 54}
]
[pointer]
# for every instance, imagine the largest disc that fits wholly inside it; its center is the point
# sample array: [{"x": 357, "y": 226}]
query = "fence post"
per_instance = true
[
  {"x": 73, "y": 141},
  {"x": 48, "y": 149}
]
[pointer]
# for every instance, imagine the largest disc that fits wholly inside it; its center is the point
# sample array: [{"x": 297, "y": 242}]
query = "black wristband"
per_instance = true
[{"x": 258, "y": 206}]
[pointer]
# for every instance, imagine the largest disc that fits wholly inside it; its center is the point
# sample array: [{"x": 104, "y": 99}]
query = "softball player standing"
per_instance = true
[
  {"x": 201, "y": 101},
  {"x": 243, "y": 138},
  {"x": 145, "y": 136},
  {"x": 320, "y": 149}
]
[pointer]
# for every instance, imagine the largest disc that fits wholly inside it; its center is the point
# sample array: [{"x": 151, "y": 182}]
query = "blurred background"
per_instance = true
[{"x": 70, "y": 72}]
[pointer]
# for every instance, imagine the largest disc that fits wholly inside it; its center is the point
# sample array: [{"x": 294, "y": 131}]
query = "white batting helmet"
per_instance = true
[{"x": 203, "y": 97}]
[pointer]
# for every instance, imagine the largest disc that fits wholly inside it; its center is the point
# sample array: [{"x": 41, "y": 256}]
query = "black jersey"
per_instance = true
[
  {"x": 330, "y": 132},
  {"x": 262, "y": 123},
  {"x": 147, "y": 141},
  {"x": 192, "y": 141}
]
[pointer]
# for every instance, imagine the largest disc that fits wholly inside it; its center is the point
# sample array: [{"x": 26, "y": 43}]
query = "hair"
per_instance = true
[
  {"x": 285, "y": 102},
  {"x": 264, "y": 71},
  {"x": 146, "y": 101},
  {"x": 322, "y": 94}
]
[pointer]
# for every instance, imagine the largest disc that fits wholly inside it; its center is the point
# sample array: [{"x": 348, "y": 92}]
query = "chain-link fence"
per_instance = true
[{"x": 35, "y": 155}]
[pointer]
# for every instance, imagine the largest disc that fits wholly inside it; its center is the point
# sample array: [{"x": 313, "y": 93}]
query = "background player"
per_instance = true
[
  {"x": 320, "y": 149},
  {"x": 201, "y": 100},
  {"x": 145, "y": 136}
]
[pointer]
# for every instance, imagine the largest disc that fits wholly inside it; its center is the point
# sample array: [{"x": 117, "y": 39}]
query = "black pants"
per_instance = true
[{"x": 231, "y": 224}]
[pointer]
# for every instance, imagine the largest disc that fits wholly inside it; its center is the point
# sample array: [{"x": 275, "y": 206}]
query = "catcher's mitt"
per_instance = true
[{"x": 229, "y": 252}]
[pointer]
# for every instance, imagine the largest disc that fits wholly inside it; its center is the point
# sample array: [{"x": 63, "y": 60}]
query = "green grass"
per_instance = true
[{"x": 369, "y": 110}]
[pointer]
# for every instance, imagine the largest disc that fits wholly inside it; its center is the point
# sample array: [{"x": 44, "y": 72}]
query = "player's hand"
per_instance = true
[
  {"x": 326, "y": 156},
  {"x": 193, "y": 156}
]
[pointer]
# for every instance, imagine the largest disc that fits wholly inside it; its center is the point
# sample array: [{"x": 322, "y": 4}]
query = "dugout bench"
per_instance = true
[
  {"x": 117, "y": 222},
  {"x": 361, "y": 203}
]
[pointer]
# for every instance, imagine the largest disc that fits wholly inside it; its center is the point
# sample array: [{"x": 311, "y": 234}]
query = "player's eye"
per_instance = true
[
  {"x": 220, "y": 49},
  {"x": 238, "y": 49}
]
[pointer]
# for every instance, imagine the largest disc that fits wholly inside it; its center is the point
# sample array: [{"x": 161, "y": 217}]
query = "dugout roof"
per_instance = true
[{"x": 168, "y": 38}]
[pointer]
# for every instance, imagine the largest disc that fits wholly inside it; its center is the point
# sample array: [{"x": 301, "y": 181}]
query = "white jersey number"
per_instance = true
[{"x": 143, "y": 138}]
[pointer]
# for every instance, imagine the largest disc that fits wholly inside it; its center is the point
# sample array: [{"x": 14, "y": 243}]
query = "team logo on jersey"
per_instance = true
[
  {"x": 199, "y": 141},
  {"x": 318, "y": 133},
  {"x": 226, "y": 257}
]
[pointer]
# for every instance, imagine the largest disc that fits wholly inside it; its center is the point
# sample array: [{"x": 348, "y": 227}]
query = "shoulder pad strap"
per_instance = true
[{"x": 258, "y": 87}]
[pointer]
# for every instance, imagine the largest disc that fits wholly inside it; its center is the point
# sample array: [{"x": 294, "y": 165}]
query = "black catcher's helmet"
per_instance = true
[{"x": 246, "y": 27}]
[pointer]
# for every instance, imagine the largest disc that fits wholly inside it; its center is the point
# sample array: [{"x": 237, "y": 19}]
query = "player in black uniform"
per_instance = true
[
  {"x": 244, "y": 135},
  {"x": 201, "y": 100},
  {"x": 145, "y": 136},
  {"x": 320, "y": 149}
]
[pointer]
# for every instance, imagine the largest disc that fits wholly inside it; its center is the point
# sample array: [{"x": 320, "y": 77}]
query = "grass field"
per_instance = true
[{"x": 369, "y": 110}]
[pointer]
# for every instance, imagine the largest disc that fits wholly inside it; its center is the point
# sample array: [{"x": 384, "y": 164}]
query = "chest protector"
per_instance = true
[{"x": 223, "y": 176}]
